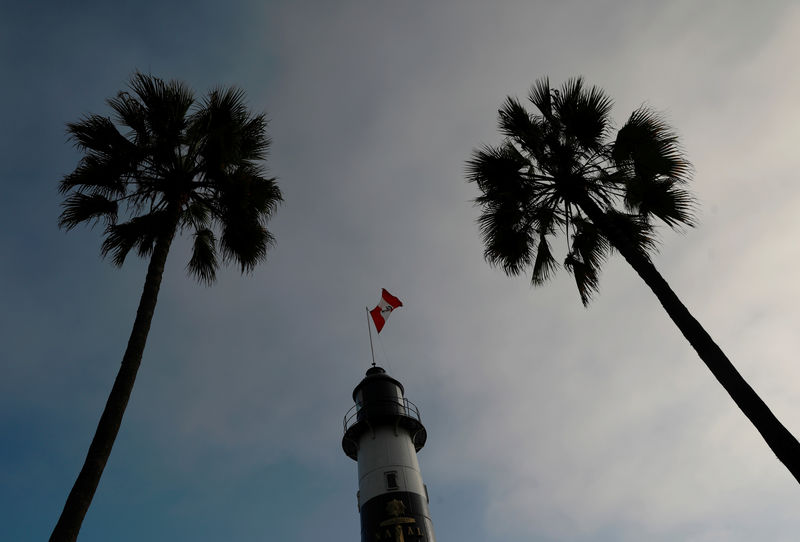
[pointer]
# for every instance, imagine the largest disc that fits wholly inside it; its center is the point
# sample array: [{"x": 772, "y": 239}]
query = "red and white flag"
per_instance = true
[{"x": 386, "y": 305}]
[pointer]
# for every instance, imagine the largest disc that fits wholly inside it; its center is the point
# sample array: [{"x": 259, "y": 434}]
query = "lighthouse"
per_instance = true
[{"x": 383, "y": 433}]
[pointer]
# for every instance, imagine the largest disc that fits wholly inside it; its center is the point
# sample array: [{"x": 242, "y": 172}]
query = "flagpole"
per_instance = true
[{"x": 369, "y": 329}]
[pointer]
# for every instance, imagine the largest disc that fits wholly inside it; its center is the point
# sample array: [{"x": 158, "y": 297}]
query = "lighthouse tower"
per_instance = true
[{"x": 383, "y": 432}]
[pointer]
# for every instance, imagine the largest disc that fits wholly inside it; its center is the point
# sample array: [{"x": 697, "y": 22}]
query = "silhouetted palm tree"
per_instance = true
[
  {"x": 179, "y": 165},
  {"x": 557, "y": 172}
]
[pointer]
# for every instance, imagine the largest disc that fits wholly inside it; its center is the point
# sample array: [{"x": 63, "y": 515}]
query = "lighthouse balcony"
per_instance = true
[
  {"x": 389, "y": 406},
  {"x": 392, "y": 411}
]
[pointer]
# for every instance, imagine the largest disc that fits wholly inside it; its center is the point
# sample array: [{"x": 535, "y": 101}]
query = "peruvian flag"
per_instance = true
[{"x": 386, "y": 305}]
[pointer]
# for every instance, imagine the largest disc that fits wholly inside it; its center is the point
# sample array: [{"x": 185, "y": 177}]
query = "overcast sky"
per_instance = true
[{"x": 546, "y": 421}]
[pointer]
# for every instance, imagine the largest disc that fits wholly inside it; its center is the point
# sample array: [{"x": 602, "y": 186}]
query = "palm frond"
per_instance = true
[
  {"x": 132, "y": 113},
  {"x": 585, "y": 116},
  {"x": 508, "y": 240},
  {"x": 96, "y": 134},
  {"x": 585, "y": 276},
  {"x": 253, "y": 143},
  {"x": 197, "y": 213},
  {"x": 634, "y": 230},
  {"x": 662, "y": 198},
  {"x": 105, "y": 175},
  {"x": 227, "y": 133},
  {"x": 567, "y": 98},
  {"x": 203, "y": 263},
  {"x": 89, "y": 208},
  {"x": 165, "y": 106},
  {"x": 588, "y": 252},
  {"x": 540, "y": 96},
  {"x": 589, "y": 242},
  {"x": 647, "y": 151},
  {"x": 246, "y": 193},
  {"x": 496, "y": 169},
  {"x": 650, "y": 146},
  {"x": 507, "y": 226},
  {"x": 139, "y": 232},
  {"x": 245, "y": 202},
  {"x": 545, "y": 265},
  {"x": 245, "y": 243},
  {"x": 264, "y": 195},
  {"x": 524, "y": 130}
]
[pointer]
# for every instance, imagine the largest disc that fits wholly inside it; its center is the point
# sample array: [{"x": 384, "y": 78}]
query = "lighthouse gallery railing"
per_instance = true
[{"x": 402, "y": 407}]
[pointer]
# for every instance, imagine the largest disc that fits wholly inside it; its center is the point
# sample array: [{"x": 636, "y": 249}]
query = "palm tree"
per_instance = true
[
  {"x": 558, "y": 172},
  {"x": 179, "y": 165}
]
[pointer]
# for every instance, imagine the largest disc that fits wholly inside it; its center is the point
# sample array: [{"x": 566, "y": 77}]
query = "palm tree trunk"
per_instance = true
[
  {"x": 79, "y": 499},
  {"x": 780, "y": 440}
]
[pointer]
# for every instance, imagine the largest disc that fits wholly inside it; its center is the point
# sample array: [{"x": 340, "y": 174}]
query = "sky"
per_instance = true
[{"x": 546, "y": 421}]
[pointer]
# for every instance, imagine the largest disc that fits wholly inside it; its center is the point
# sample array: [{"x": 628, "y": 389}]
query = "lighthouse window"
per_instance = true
[{"x": 391, "y": 480}]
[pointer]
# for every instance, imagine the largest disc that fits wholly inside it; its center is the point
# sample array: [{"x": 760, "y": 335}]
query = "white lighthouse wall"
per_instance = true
[{"x": 387, "y": 452}]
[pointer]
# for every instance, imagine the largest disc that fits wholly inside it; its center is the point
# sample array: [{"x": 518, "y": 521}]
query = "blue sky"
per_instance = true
[{"x": 546, "y": 421}]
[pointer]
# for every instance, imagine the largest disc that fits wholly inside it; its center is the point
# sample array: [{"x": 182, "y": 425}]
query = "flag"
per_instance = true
[{"x": 386, "y": 305}]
